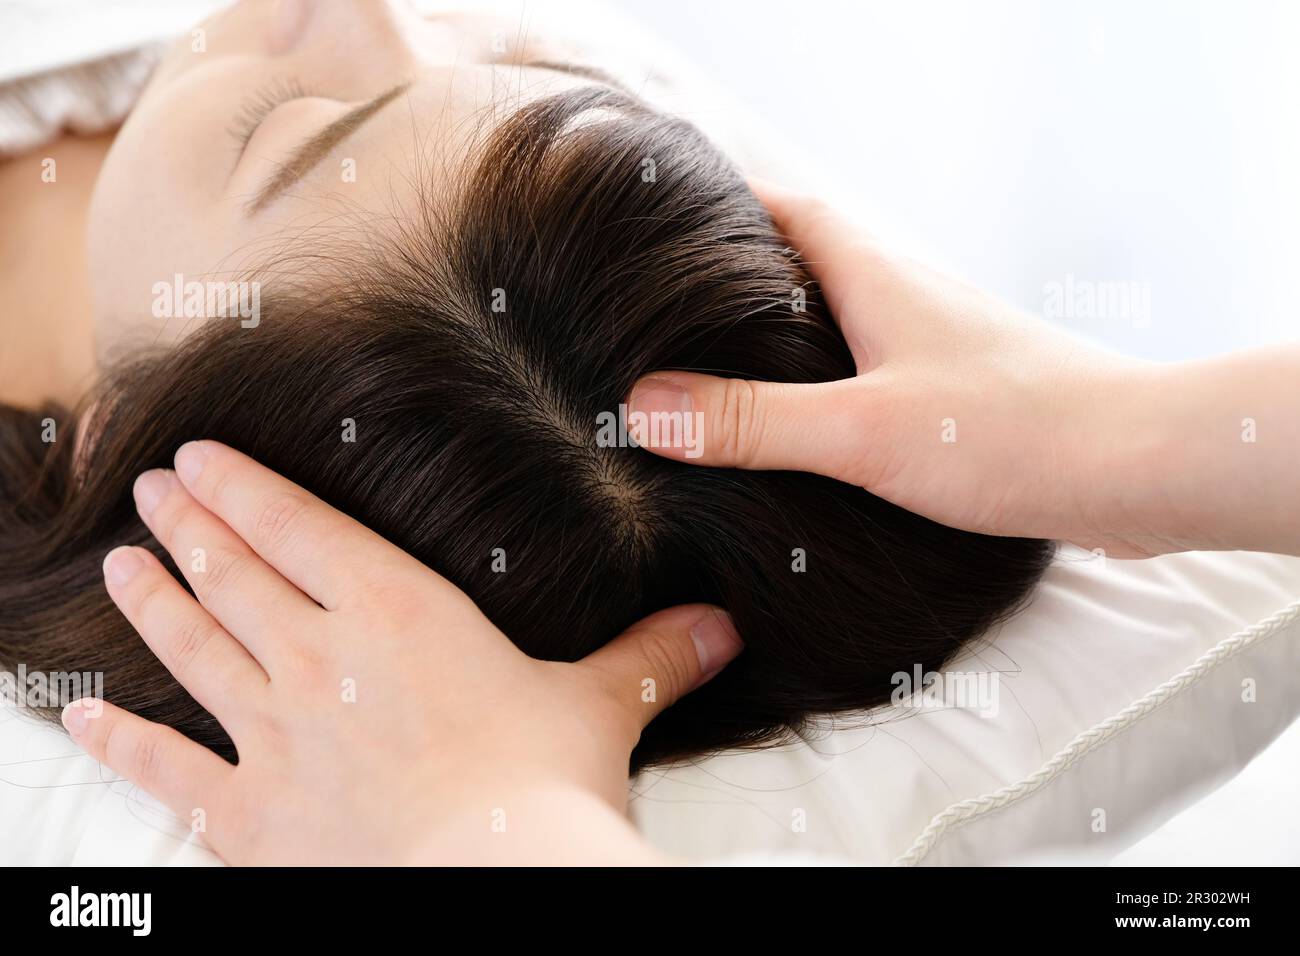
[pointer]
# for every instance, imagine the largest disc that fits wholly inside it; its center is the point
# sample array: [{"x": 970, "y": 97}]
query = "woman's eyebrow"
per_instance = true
[{"x": 313, "y": 151}]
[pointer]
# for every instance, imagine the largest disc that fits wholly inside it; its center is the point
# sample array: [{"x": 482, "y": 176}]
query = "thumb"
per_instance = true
[
  {"x": 665, "y": 656},
  {"x": 735, "y": 423}
]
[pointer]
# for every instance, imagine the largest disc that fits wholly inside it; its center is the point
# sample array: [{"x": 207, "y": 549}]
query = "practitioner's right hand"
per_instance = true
[
  {"x": 987, "y": 419},
  {"x": 379, "y": 716}
]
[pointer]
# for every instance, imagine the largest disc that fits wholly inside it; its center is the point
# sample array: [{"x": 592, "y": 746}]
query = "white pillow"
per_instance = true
[
  {"x": 1121, "y": 690},
  {"x": 1128, "y": 689}
]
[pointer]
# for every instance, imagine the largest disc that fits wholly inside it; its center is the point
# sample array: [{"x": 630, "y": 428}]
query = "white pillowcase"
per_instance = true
[{"x": 1127, "y": 690}]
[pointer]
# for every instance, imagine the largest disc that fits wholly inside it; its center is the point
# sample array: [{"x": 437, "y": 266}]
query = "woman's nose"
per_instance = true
[{"x": 359, "y": 35}]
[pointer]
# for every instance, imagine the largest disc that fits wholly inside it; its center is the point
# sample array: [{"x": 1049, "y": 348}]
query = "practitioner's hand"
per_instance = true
[
  {"x": 982, "y": 418},
  {"x": 378, "y": 715}
]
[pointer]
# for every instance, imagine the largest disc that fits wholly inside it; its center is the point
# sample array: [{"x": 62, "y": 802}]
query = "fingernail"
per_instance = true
[
  {"x": 657, "y": 399},
  {"x": 716, "y": 642},
  {"x": 151, "y": 488},
  {"x": 190, "y": 459},
  {"x": 121, "y": 565},
  {"x": 660, "y": 395},
  {"x": 74, "y": 718}
]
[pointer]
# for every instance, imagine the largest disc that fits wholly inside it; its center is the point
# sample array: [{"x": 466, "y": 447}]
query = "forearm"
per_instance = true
[{"x": 1213, "y": 454}]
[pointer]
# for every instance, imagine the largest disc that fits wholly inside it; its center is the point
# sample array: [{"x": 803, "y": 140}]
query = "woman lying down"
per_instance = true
[{"x": 437, "y": 269}]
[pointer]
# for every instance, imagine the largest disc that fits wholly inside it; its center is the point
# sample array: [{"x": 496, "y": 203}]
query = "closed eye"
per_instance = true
[{"x": 260, "y": 105}]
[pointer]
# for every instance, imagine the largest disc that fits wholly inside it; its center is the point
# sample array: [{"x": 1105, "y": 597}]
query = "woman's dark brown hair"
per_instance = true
[{"x": 612, "y": 241}]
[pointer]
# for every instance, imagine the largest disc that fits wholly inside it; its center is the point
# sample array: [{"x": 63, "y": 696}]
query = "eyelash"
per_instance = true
[{"x": 260, "y": 105}]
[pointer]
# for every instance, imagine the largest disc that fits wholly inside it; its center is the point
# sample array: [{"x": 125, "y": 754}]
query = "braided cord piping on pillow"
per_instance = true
[{"x": 958, "y": 814}]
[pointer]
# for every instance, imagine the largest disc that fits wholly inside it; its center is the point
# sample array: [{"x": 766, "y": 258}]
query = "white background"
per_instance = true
[{"x": 1018, "y": 142}]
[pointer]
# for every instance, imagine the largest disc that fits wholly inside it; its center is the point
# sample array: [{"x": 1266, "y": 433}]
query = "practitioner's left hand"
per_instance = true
[{"x": 378, "y": 715}]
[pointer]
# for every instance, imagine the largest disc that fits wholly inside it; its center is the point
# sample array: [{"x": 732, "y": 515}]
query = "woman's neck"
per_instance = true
[{"x": 46, "y": 325}]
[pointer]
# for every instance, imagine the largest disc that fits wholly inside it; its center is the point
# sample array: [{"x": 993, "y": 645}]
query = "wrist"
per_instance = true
[{"x": 547, "y": 826}]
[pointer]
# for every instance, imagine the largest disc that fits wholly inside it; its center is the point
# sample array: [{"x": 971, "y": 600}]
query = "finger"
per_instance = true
[
  {"x": 215, "y": 668},
  {"x": 291, "y": 529},
  {"x": 836, "y": 250},
  {"x": 182, "y": 774},
  {"x": 735, "y": 423},
  {"x": 663, "y": 657},
  {"x": 246, "y": 595}
]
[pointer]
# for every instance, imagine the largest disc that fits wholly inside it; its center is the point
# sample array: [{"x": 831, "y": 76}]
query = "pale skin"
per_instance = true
[
  {"x": 1050, "y": 437},
  {"x": 378, "y": 715}
]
